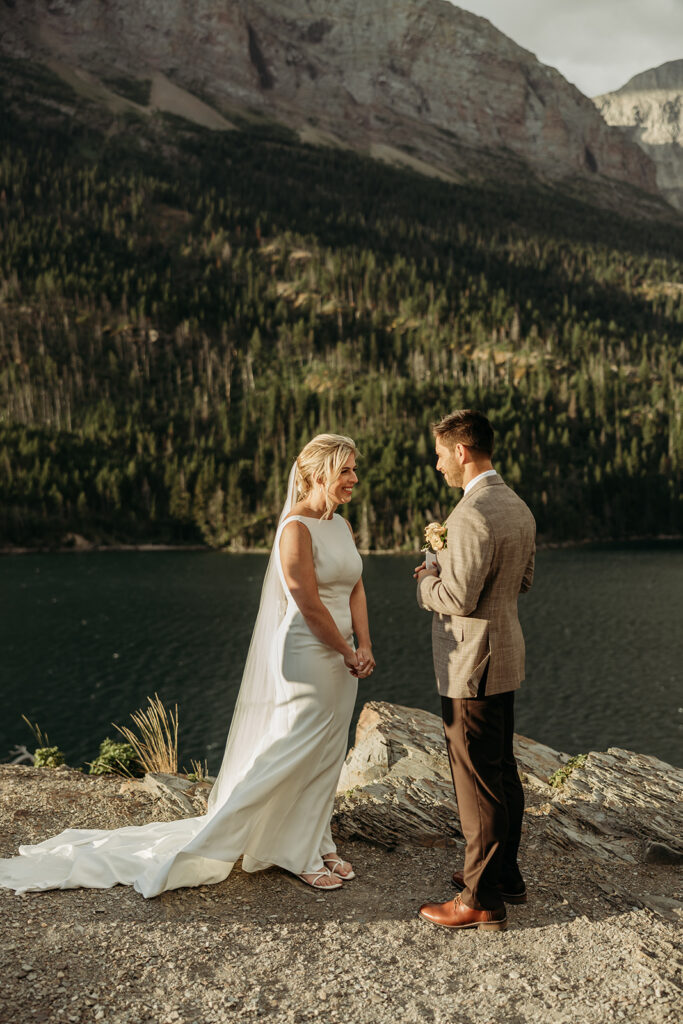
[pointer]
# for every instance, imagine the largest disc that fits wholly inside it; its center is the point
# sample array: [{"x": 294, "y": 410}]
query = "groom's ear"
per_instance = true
[{"x": 466, "y": 454}]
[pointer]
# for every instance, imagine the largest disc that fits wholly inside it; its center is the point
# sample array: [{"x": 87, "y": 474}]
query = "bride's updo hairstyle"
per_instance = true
[{"x": 321, "y": 461}]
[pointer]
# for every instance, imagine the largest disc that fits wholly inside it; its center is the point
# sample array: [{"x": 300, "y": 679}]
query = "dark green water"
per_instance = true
[{"x": 86, "y": 637}]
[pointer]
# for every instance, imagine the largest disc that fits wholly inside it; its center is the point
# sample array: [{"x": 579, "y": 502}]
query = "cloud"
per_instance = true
[{"x": 596, "y": 44}]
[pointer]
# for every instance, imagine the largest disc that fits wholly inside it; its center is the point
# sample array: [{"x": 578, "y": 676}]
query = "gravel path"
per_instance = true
[{"x": 267, "y": 948}]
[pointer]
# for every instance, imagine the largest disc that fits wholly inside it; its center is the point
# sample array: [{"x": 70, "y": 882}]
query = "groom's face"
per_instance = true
[{"x": 449, "y": 463}]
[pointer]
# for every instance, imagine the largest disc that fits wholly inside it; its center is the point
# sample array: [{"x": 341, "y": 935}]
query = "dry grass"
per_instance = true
[
  {"x": 198, "y": 772},
  {"x": 40, "y": 736},
  {"x": 156, "y": 746}
]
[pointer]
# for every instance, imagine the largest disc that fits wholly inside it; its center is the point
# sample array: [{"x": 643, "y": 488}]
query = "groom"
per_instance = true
[{"x": 478, "y": 651}]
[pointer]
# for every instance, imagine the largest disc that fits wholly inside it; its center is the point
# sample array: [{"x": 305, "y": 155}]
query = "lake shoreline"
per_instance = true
[{"x": 90, "y": 548}]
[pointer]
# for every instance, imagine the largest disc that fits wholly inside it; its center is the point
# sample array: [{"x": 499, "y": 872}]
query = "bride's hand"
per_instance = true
[
  {"x": 351, "y": 661},
  {"x": 366, "y": 661}
]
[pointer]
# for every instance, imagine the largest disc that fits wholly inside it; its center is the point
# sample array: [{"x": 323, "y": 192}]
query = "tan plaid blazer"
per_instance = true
[{"x": 487, "y": 562}]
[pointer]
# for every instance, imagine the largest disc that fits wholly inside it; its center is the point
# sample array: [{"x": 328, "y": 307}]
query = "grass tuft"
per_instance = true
[
  {"x": 41, "y": 737},
  {"x": 156, "y": 746},
  {"x": 198, "y": 772}
]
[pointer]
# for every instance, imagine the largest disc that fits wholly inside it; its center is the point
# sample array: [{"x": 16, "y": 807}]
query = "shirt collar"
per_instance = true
[{"x": 470, "y": 485}]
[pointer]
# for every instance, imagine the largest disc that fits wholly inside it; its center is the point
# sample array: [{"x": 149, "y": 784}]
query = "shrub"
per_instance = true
[
  {"x": 48, "y": 757},
  {"x": 114, "y": 757}
]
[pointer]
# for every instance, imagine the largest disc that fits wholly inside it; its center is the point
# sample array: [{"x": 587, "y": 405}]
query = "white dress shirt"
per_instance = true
[{"x": 488, "y": 472}]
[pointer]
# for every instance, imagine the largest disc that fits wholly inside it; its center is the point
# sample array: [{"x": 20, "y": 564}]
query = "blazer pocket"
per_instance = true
[
  {"x": 476, "y": 649},
  {"x": 455, "y": 630}
]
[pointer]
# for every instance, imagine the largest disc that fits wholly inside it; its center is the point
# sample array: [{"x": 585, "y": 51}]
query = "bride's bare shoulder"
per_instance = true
[
  {"x": 295, "y": 538},
  {"x": 292, "y": 527}
]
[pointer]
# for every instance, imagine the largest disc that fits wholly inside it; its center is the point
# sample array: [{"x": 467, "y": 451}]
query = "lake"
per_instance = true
[{"x": 85, "y": 638}]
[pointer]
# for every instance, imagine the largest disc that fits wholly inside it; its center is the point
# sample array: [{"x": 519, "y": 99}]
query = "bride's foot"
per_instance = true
[
  {"x": 324, "y": 879},
  {"x": 340, "y": 868}
]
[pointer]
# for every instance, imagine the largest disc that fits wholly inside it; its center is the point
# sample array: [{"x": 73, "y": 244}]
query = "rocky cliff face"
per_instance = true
[
  {"x": 649, "y": 109},
  {"x": 417, "y": 81}
]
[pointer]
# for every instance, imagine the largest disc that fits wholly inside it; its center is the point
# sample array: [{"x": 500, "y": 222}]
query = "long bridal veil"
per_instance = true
[
  {"x": 253, "y": 717},
  {"x": 200, "y": 850}
]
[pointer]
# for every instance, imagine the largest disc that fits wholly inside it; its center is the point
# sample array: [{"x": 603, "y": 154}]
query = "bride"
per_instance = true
[{"x": 272, "y": 801}]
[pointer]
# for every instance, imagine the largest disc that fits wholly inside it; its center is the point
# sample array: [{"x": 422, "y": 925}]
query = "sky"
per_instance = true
[{"x": 596, "y": 44}]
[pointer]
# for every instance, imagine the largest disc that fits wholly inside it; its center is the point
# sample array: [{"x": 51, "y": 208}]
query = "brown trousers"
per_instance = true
[{"x": 490, "y": 797}]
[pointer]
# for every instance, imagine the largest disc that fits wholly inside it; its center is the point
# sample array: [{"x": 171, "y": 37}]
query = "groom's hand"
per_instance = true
[{"x": 419, "y": 569}]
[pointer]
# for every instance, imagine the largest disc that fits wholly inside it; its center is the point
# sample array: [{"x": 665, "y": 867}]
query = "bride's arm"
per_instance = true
[
  {"x": 361, "y": 627},
  {"x": 296, "y": 558},
  {"x": 359, "y": 615}
]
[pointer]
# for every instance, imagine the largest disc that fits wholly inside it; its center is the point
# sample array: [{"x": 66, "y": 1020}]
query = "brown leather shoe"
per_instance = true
[
  {"x": 454, "y": 914},
  {"x": 509, "y": 897}
]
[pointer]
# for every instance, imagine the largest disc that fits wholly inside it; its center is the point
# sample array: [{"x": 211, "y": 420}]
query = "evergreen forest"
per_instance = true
[{"x": 181, "y": 310}]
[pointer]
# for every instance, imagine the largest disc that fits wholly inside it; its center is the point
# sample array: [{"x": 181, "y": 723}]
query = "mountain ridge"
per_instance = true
[
  {"x": 424, "y": 83},
  {"x": 664, "y": 76},
  {"x": 648, "y": 109}
]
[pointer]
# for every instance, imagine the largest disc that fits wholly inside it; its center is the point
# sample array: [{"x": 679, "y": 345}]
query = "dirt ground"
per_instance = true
[{"x": 266, "y": 947}]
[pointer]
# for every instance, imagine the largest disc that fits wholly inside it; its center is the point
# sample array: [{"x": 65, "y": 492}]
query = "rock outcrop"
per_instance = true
[
  {"x": 179, "y": 797},
  {"x": 615, "y": 806},
  {"x": 419, "y": 82},
  {"x": 649, "y": 110},
  {"x": 396, "y": 786}
]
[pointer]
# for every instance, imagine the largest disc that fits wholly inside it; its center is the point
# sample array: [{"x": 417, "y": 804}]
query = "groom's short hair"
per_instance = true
[{"x": 468, "y": 427}]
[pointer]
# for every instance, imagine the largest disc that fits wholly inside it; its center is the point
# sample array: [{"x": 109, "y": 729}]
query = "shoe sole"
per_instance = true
[
  {"x": 507, "y": 897},
  {"x": 486, "y": 926}
]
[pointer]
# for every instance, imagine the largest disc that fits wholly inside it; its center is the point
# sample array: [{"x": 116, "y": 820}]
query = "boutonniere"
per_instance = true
[{"x": 436, "y": 535}]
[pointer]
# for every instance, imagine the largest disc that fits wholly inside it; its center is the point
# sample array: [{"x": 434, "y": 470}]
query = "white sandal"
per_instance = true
[
  {"x": 317, "y": 875},
  {"x": 332, "y": 862}
]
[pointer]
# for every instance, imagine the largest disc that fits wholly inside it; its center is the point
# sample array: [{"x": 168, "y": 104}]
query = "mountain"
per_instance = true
[
  {"x": 649, "y": 109},
  {"x": 416, "y": 82}
]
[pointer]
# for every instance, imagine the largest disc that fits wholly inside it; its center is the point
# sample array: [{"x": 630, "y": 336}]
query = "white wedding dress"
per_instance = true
[{"x": 272, "y": 801}]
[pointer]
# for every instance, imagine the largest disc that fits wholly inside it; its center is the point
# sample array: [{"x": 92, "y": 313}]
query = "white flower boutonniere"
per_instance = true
[{"x": 436, "y": 535}]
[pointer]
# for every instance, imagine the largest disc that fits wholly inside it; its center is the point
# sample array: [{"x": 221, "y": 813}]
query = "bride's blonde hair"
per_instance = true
[{"x": 321, "y": 461}]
